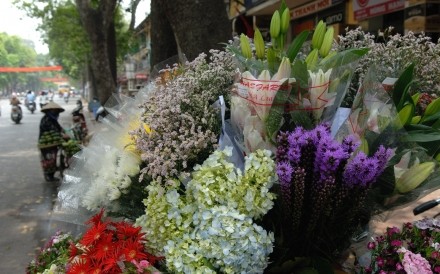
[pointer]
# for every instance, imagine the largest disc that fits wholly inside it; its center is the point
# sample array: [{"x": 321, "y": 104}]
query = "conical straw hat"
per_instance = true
[{"x": 52, "y": 105}]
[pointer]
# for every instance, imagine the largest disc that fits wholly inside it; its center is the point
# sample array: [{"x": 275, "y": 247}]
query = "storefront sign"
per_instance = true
[
  {"x": 310, "y": 8},
  {"x": 334, "y": 18},
  {"x": 364, "y": 9},
  {"x": 141, "y": 76}
]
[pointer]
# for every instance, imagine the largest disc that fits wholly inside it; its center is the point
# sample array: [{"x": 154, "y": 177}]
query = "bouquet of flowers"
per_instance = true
[
  {"x": 209, "y": 225},
  {"x": 106, "y": 172},
  {"x": 394, "y": 54},
  {"x": 415, "y": 248},
  {"x": 380, "y": 118},
  {"x": 110, "y": 247},
  {"x": 54, "y": 256},
  {"x": 280, "y": 89},
  {"x": 184, "y": 125},
  {"x": 323, "y": 187}
]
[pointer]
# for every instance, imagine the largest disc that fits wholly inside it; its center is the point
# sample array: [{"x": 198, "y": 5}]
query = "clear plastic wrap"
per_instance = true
[
  {"x": 411, "y": 173},
  {"x": 262, "y": 105},
  {"x": 103, "y": 170}
]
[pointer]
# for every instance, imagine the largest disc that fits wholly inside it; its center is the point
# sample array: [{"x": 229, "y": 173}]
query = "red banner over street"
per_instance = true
[{"x": 30, "y": 69}]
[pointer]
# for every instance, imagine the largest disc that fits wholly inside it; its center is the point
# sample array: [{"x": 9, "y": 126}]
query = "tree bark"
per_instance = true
[
  {"x": 163, "y": 43},
  {"x": 97, "y": 22},
  {"x": 196, "y": 26}
]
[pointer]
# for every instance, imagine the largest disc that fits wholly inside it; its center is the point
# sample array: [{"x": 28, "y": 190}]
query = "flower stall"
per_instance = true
[{"x": 260, "y": 158}]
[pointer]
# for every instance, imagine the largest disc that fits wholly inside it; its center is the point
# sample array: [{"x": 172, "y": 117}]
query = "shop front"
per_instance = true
[{"x": 376, "y": 15}]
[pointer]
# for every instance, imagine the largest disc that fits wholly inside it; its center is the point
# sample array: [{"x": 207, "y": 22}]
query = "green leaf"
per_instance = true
[
  {"x": 296, "y": 45},
  {"x": 274, "y": 119},
  {"x": 431, "y": 118},
  {"x": 302, "y": 118},
  {"x": 283, "y": 6},
  {"x": 342, "y": 58},
  {"x": 406, "y": 114},
  {"x": 433, "y": 107},
  {"x": 364, "y": 145},
  {"x": 422, "y": 136},
  {"x": 436, "y": 125},
  {"x": 271, "y": 59},
  {"x": 405, "y": 98},
  {"x": 416, "y": 98},
  {"x": 416, "y": 119},
  {"x": 299, "y": 71},
  {"x": 402, "y": 83}
]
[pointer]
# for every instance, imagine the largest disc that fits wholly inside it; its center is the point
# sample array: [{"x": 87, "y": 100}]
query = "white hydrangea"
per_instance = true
[{"x": 211, "y": 228}]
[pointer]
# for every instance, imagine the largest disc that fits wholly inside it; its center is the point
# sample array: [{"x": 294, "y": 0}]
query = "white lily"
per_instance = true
[
  {"x": 255, "y": 135},
  {"x": 261, "y": 91},
  {"x": 318, "y": 92}
]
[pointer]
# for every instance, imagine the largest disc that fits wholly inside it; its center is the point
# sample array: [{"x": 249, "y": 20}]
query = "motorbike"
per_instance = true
[
  {"x": 79, "y": 127},
  {"x": 16, "y": 114},
  {"x": 32, "y": 106}
]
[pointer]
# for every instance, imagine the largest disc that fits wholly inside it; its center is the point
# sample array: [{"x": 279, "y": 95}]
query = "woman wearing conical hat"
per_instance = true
[{"x": 50, "y": 137}]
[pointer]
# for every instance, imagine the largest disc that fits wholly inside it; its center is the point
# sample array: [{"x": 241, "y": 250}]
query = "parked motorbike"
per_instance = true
[
  {"x": 79, "y": 126},
  {"x": 16, "y": 114}
]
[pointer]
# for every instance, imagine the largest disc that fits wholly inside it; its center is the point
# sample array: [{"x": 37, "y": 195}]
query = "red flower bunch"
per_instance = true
[{"x": 110, "y": 247}]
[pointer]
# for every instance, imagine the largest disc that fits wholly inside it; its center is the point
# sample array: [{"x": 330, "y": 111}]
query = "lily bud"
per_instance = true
[
  {"x": 245, "y": 46},
  {"x": 275, "y": 25},
  {"x": 271, "y": 57},
  {"x": 414, "y": 176},
  {"x": 318, "y": 35},
  {"x": 284, "y": 69},
  {"x": 285, "y": 20},
  {"x": 312, "y": 59},
  {"x": 259, "y": 44},
  {"x": 327, "y": 42}
]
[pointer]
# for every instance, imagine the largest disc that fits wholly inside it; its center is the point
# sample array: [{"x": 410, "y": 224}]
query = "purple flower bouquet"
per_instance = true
[{"x": 323, "y": 186}]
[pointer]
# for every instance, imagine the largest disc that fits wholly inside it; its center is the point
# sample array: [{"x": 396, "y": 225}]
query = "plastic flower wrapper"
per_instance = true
[
  {"x": 106, "y": 172},
  {"x": 209, "y": 226},
  {"x": 374, "y": 121},
  {"x": 279, "y": 89}
]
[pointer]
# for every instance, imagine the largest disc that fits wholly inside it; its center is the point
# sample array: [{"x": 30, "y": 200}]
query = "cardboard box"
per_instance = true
[{"x": 422, "y": 17}]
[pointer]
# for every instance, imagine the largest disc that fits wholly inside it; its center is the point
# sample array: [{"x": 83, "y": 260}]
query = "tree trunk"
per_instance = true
[
  {"x": 197, "y": 26},
  {"x": 163, "y": 43},
  {"x": 97, "y": 22}
]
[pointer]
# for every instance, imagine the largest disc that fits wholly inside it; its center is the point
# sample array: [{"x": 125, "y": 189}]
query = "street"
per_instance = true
[{"x": 26, "y": 199}]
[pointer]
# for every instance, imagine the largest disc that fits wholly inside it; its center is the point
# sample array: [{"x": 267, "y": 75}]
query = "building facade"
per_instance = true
[{"x": 373, "y": 16}]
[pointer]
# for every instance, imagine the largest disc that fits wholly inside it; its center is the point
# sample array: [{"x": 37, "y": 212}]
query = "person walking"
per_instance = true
[{"x": 50, "y": 138}]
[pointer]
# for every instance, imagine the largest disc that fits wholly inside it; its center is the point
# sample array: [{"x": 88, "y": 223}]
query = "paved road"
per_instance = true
[{"x": 26, "y": 199}]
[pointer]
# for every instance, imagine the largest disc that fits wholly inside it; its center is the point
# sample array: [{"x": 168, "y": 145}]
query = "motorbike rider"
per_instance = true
[
  {"x": 15, "y": 101},
  {"x": 66, "y": 96},
  {"x": 30, "y": 98}
]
